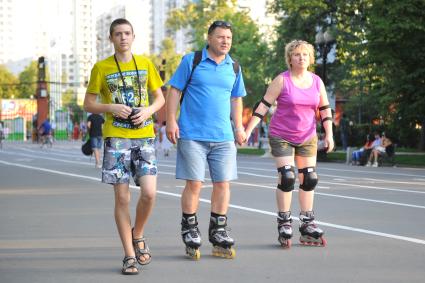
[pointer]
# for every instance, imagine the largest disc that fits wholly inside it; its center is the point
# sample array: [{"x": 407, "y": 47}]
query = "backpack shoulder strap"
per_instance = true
[
  {"x": 196, "y": 60},
  {"x": 236, "y": 67}
]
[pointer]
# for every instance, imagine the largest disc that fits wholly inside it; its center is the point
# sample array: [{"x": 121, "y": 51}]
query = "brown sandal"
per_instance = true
[
  {"x": 141, "y": 252},
  {"x": 129, "y": 263}
]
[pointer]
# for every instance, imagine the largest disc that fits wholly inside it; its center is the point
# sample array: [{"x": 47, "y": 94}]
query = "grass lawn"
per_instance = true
[{"x": 251, "y": 151}]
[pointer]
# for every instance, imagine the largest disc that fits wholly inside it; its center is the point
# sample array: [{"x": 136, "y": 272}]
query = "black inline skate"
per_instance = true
[
  {"x": 222, "y": 243},
  {"x": 311, "y": 235},
  {"x": 284, "y": 228},
  {"x": 191, "y": 237}
]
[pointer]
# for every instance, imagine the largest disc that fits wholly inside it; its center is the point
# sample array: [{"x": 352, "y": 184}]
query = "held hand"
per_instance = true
[
  {"x": 329, "y": 143},
  {"x": 247, "y": 135},
  {"x": 121, "y": 110},
  {"x": 172, "y": 131},
  {"x": 240, "y": 137}
]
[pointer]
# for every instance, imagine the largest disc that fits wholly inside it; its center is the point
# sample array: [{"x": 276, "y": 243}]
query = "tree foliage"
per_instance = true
[
  {"x": 167, "y": 60},
  {"x": 69, "y": 98},
  {"x": 248, "y": 47},
  {"x": 379, "y": 65},
  {"x": 8, "y": 83},
  {"x": 396, "y": 36},
  {"x": 27, "y": 80}
]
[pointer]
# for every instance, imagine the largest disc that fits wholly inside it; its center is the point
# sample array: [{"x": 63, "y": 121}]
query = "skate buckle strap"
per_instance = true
[
  {"x": 221, "y": 220},
  {"x": 191, "y": 220},
  {"x": 193, "y": 232}
]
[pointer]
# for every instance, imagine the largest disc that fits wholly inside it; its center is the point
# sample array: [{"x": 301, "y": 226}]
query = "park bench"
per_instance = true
[{"x": 388, "y": 158}]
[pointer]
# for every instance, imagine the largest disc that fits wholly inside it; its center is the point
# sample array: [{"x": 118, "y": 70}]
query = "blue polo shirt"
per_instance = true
[{"x": 205, "y": 111}]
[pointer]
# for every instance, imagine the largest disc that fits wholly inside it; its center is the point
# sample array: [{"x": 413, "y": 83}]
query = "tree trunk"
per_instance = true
[{"x": 422, "y": 139}]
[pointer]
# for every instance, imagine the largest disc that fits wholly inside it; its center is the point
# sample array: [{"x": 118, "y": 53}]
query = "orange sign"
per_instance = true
[{"x": 13, "y": 108}]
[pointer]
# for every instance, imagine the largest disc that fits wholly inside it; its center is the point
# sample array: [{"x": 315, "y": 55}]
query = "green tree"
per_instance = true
[
  {"x": 8, "y": 83},
  {"x": 167, "y": 60},
  {"x": 350, "y": 74},
  {"x": 27, "y": 81},
  {"x": 247, "y": 45},
  {"x": 69, "y": 98},
  {"x": 396, "y": 46}
]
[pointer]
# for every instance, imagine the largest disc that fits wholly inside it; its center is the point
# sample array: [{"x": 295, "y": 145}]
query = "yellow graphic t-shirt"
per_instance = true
[{"x": 106, "y": 81}]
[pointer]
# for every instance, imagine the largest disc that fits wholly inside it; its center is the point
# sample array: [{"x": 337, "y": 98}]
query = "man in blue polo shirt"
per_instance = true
[{"x": 204, "y": 135}]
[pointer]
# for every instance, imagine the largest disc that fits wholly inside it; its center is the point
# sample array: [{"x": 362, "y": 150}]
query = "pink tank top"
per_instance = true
[{"x": 295, "y": 117}]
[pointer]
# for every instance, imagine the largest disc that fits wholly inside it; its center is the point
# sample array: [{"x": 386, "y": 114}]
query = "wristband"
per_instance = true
[{"x": 240, "y": 129}]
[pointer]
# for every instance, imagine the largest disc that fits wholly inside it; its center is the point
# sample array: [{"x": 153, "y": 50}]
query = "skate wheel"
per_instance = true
[
  {"x": 193, "y": 253},
  {"x": 228, "y": 253},
  {"x": 309, "y": 241},
  {"x": 285, "y": 243},
  {"x": 197, "y": 255},
  {"x": 232, "y": 253}
]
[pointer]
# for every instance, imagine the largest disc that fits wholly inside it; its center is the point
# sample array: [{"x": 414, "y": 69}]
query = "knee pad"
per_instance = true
[
  {"x": 287, "y": 180},
  {"x": 310, "y": 178}
]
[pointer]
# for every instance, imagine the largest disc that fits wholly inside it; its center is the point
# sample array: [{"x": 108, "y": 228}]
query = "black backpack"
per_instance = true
[
  {"x": 196, "y": 60},
  {"x": 86, "y": 148}
]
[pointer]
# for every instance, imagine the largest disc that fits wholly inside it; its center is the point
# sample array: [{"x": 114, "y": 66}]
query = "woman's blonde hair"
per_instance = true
[{"x": 294, "y": 44}]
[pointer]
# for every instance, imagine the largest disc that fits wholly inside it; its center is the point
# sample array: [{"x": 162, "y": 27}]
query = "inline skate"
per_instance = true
[
  {"x": 222, "y": 243},
  {"x": 284, "y": 228},
  {"x": 191, "y": 237},
  {"x": 311, "y": 235}
]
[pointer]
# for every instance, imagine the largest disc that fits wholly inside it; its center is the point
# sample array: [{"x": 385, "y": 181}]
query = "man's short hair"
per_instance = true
[
  {"x": 219, "y": 24},
  {"x": 117, "y": 22}
]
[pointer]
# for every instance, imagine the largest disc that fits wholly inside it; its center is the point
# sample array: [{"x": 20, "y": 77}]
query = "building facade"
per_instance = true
[
  {"x": 7, "y": 31},
  {"x": 160, "y": 11}
]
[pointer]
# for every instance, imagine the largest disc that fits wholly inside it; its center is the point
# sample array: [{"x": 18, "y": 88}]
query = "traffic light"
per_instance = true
[{"x": 41, "y": 69}]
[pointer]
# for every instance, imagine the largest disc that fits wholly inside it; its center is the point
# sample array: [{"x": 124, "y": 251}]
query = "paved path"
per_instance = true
[{"x": 57, "y": 224}]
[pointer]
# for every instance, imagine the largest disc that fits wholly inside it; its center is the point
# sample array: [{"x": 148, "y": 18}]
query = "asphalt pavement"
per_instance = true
[{"x": 56, "y": 224}]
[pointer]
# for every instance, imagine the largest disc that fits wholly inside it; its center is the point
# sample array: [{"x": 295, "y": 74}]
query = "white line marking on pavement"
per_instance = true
[
  {"x": 241, "y": 172},
  {"x": 363, "y": 172},
  {"x": 343, "y": 184},
  {"x": 357, "y": 178},
  {"x": 341, "y": 227},
  {"x": 338, "y": 196},
  {"x": 269, "y": 187},
  {"x": 374, "y": 172}
]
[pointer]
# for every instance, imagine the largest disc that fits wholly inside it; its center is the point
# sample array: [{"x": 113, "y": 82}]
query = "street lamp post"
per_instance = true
[{"x": 324, "y": 41}]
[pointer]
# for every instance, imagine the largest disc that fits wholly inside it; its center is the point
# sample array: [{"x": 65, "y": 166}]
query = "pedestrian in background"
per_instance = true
[
  {"x": 122, "y": 82},
  {"x": 165, "y": 144},
  {"x": 94, "y": 125},
  {"x": 343, "y": 129}
]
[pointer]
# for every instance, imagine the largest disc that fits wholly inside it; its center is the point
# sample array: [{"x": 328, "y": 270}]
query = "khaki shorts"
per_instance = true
[{"x": 283, "y": 148}]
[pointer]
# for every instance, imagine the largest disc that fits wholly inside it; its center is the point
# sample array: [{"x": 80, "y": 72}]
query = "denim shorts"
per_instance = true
[
  {"x": 123, "y": 157},
  {"x": 193, "y": 156},
  {"x": 96, "y": 142},
  {"x": 281, "y": 148}
]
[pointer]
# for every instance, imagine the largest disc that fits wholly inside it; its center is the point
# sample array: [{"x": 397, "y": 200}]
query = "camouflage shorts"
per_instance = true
[{"x": 123, "y": 157}]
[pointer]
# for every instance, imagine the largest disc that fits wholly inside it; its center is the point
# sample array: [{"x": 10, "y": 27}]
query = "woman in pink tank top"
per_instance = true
[{"x": 299, "y": 94}]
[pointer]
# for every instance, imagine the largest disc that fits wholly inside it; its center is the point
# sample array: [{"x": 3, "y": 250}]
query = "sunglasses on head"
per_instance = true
[{"x": 217, "y": 24}]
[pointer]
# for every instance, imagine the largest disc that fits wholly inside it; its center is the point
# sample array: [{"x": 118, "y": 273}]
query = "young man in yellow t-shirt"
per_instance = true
[{"x": 122, "y": 82}]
